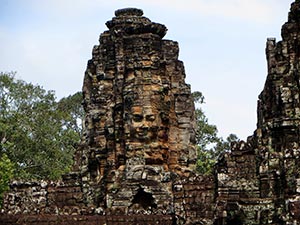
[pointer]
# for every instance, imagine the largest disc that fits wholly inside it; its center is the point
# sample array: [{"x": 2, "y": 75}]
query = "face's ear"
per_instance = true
[
  {"x": 126, "y": 117},
  {"x": 128, "y": 102}
]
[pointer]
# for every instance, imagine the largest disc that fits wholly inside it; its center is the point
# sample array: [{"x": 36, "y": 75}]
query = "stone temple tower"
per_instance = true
[
  {"x": 139, "y": 125},
  {"x": 136, "y": 160}
]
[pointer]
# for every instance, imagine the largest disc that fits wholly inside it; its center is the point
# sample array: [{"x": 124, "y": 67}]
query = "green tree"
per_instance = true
[
  {"x": 6, "y": 174},
  {"x": 225, "y": 145},
  {"x": 209, "y": 145},
  {"x": 72, "y": 110},
  {"x": 37, "y": 132},
  {"x": 206, "y": 134}
]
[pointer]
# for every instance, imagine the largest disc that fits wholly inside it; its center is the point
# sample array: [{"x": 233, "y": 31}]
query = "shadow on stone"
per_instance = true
[{"x": 144, "y": 199}]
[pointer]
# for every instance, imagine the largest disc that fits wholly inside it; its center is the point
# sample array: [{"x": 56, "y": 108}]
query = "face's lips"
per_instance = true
[{"x": 142, "y": 132}]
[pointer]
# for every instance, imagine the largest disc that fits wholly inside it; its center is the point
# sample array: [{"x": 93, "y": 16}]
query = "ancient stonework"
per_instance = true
[
  {"x": 140, "y": 125},
  {"x": 258, "y": 182},
  {"x": 137, "y": 158}
]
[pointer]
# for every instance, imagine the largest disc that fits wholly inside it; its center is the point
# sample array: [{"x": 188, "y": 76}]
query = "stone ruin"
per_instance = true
[{"x": 136, "y": 161}]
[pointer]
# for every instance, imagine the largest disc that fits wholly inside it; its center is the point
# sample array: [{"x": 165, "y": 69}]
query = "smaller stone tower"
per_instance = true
[{"x": 259, "y": 180}]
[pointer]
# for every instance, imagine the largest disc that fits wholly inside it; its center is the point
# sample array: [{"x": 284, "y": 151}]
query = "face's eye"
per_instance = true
[
  {"x": 150, "y": 118},
  {"x": 137, "y": 118}
]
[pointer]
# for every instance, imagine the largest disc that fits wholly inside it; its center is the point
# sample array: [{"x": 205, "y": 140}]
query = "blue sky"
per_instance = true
[{"x": 222, "y": 44}]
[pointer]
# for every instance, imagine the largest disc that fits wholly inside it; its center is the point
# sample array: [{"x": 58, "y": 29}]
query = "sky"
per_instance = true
[{"x": 222, "y": 45}]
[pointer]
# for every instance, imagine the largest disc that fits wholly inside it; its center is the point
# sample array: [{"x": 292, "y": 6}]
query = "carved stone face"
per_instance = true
[{"x": 144, "y": 123}]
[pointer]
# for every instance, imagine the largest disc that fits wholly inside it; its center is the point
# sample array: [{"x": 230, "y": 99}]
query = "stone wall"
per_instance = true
[
  {"x": 194, "y": 200},
  {"x": 52, "y": 219},
  {"x": 46, "y": 197}
]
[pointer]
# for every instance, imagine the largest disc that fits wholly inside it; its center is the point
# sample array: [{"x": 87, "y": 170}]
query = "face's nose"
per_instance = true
[{"x": 145, "y": 124}]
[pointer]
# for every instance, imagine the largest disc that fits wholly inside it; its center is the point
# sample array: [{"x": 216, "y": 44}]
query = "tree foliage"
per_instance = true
[
  {"x": 6, "y": 174},
  {"x": 209, "y": 145},
  {"x": 37, "y": 133},
  {"x": 72, "y": 111}
]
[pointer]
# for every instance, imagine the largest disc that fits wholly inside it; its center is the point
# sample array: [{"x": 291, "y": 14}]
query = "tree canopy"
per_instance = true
[{"x": 37, "y": 133}]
